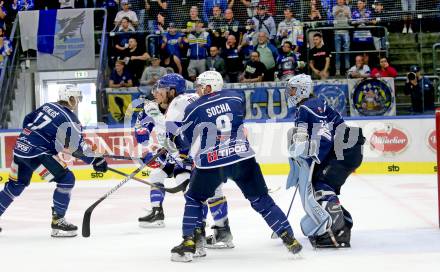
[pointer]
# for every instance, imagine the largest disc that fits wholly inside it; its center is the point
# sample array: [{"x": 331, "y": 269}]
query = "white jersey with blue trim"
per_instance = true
[
  {"x": 174, "y": 113},
  {"x": 213, "y": 129},
  {"x": 48, "y": 130}
]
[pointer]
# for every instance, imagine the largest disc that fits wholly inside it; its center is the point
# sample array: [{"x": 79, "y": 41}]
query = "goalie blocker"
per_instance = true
[{"x": 323, "y": 152}]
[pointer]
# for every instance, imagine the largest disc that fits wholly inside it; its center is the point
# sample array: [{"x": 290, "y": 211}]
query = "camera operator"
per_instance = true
[{"x": 421, "y": 90}]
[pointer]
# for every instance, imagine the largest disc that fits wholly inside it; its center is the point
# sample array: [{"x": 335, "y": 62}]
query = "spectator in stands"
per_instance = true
[
  {"x": 3, "y": 14},
  {"x": 126, "y": 12},
  {"x": 209, "y": 4},
  {"x": 421, "y": 90},
  {"x": 172, "y": 41},
  {"x": 268, "y": 55},
  {"x": 270, "y": 5},
  {"x": 408, "y": 6},
  {"x": 233, "y": 60},
  {"x": 359, "y": 70},
  {"x": 214, "y": 62},
  {"x": 122, "y": 36},
  {"x": 232, "y": 26},
  {"x": 385, "y": 70},
  {"x": 251, "y": 7},
  {"x": 254, "y": 69},
  {"x": 248, "y": 41},
  {"x": 315, "y": 11},
  {"x": 198, "y": 42},
  {"x": 265, "y": 23},
  {"x": 24, "y": 5},
  {"x": 136, "y": 58},
  {"x": 287, "y": 63},
  {"x": 120, "y": 77},
  {"x": 238, "y": 8},
  {"x": 319, "y": 58},
  {"x": 152, "y": 74},
  {"x": 362, "y": 15},
  {"x": 5, "y": 49},
  {"x": 315, "y": 17},
  {"x": 216, "y": 25},
  {"x": 290, "y": 29},
  {"x": 171, "y": 62},
  {"x": 378, "y": 20},
  {"x": 342, "y": 15},
  {"x": 149, "y": 13},
  {"x": 193, "y": 19}
]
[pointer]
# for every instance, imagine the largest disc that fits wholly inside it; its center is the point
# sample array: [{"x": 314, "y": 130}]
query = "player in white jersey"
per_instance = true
[{"x": 169, "y": 107}]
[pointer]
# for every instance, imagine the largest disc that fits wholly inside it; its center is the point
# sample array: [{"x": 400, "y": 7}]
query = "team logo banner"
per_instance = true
[
  {"x": 372, "y": 97},
  {"x": 334, "y": 92},
  {"x": 64, "y": 38}
]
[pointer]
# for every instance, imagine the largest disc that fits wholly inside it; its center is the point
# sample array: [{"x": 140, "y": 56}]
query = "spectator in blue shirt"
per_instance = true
[
  {"x": 361, "y": 15},
  {"x": 3, "y": 14},
  {"x": 172, "y": 41},
  {"x": 209, "y": 4},
  {"x": 120, "y": 78}
]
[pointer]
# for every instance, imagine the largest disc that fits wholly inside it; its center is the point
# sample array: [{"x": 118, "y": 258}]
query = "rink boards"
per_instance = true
[{"x": 399, "y": 145}]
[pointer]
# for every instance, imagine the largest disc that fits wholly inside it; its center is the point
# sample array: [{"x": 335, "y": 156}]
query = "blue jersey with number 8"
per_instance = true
[{"x": 213, "y": 128}]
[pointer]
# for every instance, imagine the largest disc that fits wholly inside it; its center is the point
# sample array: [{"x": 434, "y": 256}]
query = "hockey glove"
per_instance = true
[
  {"x": 100, "y": 165},
  {"x": 143, "y": 133},
  {"x": 158, "y": 162}
]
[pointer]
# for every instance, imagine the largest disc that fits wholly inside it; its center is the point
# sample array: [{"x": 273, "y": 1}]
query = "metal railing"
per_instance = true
[
  {"x": 101, "y": 79},
  {"x": 8, "y": 76}
]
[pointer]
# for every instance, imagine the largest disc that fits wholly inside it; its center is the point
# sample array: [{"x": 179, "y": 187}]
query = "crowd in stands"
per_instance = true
[
  {"x": 245, "y": 40},
  {"x": 266, "y": 41}
]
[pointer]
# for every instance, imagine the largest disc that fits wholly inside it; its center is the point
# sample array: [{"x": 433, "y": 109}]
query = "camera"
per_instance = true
[{"x": 411, "y": 76}]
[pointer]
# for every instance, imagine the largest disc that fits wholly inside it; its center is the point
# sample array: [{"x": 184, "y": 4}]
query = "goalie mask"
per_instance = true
[{"x": 298, "y": 88}]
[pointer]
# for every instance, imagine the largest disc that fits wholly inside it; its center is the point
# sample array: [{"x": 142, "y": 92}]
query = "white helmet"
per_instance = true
[
  {"x": 304, "y": 87},
  {"x": 67, "y": 91},
  {"x": 210, "y": 78}
]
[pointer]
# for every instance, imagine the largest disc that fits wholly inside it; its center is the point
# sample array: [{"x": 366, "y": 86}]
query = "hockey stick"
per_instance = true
[
  {"x": 274, "y": 235},
  {"x": 171, "y": 190},
  {"x": 117, "y": 157},
  {"x": 88, "y": 213}
]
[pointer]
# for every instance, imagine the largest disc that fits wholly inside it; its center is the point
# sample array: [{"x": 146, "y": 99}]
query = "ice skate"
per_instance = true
[
  {"x": 155, "y": 219},
  {"x": 62, "y": 228},
  {"x": 200, "y": 239},
  {"x": 222, "y": 238},
  {"x": 185, "y": 251},
  {"x": 291, "y": 243}
]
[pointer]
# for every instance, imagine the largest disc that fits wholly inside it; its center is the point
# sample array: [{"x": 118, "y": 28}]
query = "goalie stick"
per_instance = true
[
  {"x": 274, "y": 235},
  {"x": 88, "y": 212}
]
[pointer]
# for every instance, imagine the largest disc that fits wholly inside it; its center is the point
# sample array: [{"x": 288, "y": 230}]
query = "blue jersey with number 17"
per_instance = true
[
  {"x": 213, "y": 129},
  {"x": 48, "y": 130}
]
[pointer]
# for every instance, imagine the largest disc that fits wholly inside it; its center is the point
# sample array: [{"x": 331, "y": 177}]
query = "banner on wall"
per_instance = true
[
  {"x": 334, "y": 92},
  {"x": 64, "y": 38},
  {"x": 264, "y": 101},
  {"x": 393, "y": 146},
  {"x": 372, "y": 97}
]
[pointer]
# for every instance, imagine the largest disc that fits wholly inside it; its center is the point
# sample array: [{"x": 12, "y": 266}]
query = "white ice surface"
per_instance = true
[{"x": 395, "y": 229}]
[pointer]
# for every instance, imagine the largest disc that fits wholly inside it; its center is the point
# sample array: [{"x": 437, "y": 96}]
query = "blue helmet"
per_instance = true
[{"x": 173, "y": 81}]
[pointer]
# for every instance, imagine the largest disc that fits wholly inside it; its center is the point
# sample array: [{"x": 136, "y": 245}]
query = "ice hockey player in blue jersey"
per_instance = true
[
  {"x": 169, "y": 105},
  {"x": 212, "y": 129},
  {"x": 51, "y": 128},
  {"x": 321, "y": 142}
]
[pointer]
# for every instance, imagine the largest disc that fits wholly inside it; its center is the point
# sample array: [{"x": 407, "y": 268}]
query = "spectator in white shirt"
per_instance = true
[
  {"x": 359, "y": 70},
  {"x": 126, "y": 12}
]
